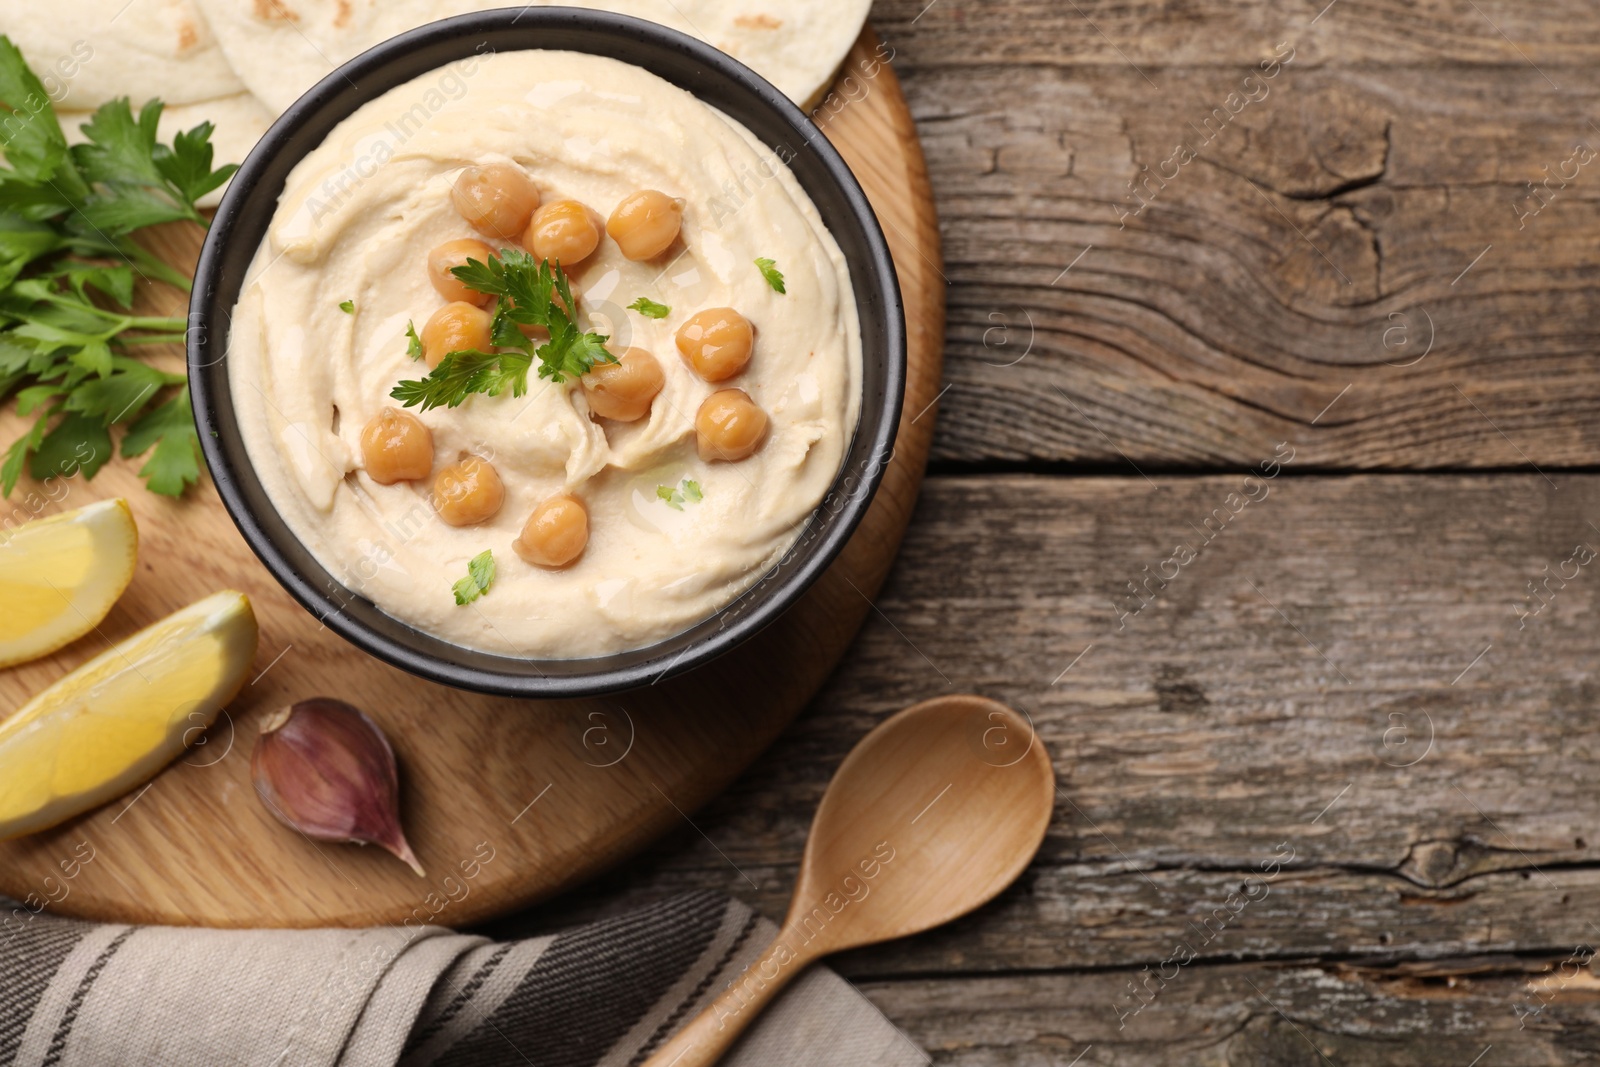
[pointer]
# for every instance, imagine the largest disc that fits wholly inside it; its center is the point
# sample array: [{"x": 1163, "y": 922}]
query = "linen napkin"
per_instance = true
[{"x": 602, "y": 995}]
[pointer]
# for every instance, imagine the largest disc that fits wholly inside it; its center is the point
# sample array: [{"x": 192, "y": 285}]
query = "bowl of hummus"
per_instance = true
[{"x": 546, "y": 352}]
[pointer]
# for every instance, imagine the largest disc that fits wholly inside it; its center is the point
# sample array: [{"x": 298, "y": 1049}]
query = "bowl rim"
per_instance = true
[{"x": 225, "y": 459}]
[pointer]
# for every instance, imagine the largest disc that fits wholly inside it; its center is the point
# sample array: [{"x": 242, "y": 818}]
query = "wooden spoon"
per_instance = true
[{"x": 932, "y": 814}]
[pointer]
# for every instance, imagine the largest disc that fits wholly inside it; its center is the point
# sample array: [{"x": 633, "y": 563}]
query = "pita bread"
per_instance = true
[
  {"x": 89, "y": 51},
  {"x": 240, "y": 120},
  {"x": 281, "y": 48}
]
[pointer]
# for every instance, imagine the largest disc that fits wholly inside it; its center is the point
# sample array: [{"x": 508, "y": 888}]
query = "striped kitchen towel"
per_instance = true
[{"x": 606, "y": 994}]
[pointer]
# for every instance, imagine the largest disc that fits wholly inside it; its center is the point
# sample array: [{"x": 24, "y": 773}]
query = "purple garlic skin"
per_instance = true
[{"x": 325, "y": 769}]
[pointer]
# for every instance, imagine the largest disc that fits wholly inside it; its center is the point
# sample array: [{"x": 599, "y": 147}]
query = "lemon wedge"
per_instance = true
[
  {"x": 59, "y": 577},
  {"x": 114, "y": 722}
]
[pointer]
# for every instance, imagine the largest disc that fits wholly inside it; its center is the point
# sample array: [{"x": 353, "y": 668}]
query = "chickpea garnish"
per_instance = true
[
  {"x": 454, "y": 327},
  {"x": 455, "y": 254},
  {"x": 469, "y": 492},
  {"x": 623, "y": 390},
  {"x": 396, "y": 447},
  {"x": 645, "y": 223},
  {"x": 562, "y": 231},
  {"x": 496, "y": 199},
  {"x": 555, "y": 533},
  {"x": 716, "y": 343},
  {"x": 729, "y": 425}
]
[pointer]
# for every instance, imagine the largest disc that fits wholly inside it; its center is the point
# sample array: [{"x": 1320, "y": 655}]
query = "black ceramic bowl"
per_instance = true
[{"x": 241, "y": 223}]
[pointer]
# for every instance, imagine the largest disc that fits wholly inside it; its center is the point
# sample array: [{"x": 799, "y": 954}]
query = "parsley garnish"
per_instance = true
[
  {"x": 528, "y": 292},
  {"x": 649, "y": 308},
  {"x": 460, "y": 374},
  {"x": 347, "y": 306},
  {"x": 687, "y": 490},
  {"x": 480, "y": 576},
  {"x": 769, "y": 270},
  {"x": 413, "y": 342},
  {"x": 67, "y": 267}
]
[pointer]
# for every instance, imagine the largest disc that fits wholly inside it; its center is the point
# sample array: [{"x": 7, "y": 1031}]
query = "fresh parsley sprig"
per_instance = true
[
  {"x": 528, "y": 292},
  {"x": 67, "y": 266},
  {"x": 461, "y": 374}
]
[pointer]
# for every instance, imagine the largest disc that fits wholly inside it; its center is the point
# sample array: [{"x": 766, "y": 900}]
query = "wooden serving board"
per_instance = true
[{"x": 506, "y": 802}]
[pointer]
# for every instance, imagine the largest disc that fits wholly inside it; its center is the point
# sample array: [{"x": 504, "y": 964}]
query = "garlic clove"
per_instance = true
[{"x": 325, "y": 769}]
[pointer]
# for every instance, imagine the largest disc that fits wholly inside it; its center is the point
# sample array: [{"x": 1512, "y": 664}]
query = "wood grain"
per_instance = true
[
  {"x": 1198, "y": 33},
  {"x": 1432, "y": 902},
  {"x": 1439, "y": 806},
  {"x": 1317, "y": 246},
  {"x": 1293, "y": 1015},
  {"x": 551, "y": 791}
]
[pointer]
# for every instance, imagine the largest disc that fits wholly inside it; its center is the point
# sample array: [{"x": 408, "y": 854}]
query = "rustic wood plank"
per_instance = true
[
  {"x": 1326, "y": 234},
  {"x": 1300, "y": 1015},
  {"x": 1210, "y": 732},
  {"x": 1155, "y": 34}
]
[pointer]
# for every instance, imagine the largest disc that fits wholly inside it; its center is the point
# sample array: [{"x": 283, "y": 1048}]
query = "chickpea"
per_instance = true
[
  {"x": 469, "y": 492},
  {"x": 729, "y": 425},
  {"x": 716, "y": 343},
  {"x": 455, "y": 254},
  {"x": 562, "y": 232},
  {"x": 496, "y": 199},
  {"x": 555, "y": 534},
  {"x": 397, "y": 447},
  {"x": 454, "y": 327},
  {"x": 623, "y": 390},
  {"x": 645, "y": 223}
]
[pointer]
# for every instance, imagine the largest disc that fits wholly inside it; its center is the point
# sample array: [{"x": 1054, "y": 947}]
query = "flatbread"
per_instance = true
[
  {"x": 281, "y": 48},
  {"x": 89, "y": 51},
  {"x": 240, "y": 121}
]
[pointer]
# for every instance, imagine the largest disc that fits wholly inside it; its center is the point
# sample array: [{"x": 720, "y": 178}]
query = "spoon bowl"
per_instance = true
[
  {"x": 934, "y": 813},
  {"x": 931, "y": 815}
]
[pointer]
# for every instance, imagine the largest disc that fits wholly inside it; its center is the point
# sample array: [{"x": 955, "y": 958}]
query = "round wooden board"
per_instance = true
[{"x": 505, "y": 802}]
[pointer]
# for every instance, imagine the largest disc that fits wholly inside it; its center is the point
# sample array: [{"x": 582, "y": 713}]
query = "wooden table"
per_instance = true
[{"x": 1345, "y": 756}]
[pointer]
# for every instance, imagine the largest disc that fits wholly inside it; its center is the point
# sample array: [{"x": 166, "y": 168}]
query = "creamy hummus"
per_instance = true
[{"x": 355, "y": 223}]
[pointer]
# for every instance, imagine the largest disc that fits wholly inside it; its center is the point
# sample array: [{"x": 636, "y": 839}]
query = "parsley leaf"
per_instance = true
[
  {"x": 688, "y": 490},
  {"x": 480, "y": 576},
  {"x": 649, "y": 308},
  {"x": 347, "y": 306},
  {"x": 77, "y": 443},
  {"x": 17, "y": 455},
  {"x": 528, "y": 292},
  {"x": 131, "y": 169},
  {"x": 187, "y": 164},
  {"x": 175, "y": 463},
  {"x": 35, "y": 147},
  {"x": 769, "y": 270},
  {"x": 68, "y": 334},
  {"x": 571, "y": 353},
  {"x": 123, "y": 394},
  {"x": 461, "y": 374},
  {"x": 413, "y": 342}
]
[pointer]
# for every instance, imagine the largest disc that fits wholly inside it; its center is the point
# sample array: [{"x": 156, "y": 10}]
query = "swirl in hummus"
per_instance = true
[{"x": 318, "y": 343}]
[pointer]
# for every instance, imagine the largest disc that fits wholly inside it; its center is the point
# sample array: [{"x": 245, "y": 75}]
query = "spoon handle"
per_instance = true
[{"x": 711, "y": 1033}]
